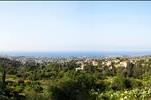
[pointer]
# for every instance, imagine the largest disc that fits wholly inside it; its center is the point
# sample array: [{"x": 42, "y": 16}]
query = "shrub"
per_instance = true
[{"x": 118, "y": 83}]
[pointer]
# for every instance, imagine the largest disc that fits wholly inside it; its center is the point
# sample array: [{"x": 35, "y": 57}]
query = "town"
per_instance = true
[{"x": 99, "y": 62}]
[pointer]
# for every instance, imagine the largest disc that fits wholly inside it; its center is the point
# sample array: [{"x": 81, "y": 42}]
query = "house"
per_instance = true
[
  {"x": 94, "y": 63},
  {"x": 81, "y": 67},
  {"x": 123, "y": 64}
]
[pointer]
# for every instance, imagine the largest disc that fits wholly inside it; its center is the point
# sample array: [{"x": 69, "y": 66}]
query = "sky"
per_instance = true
[{"x": 75, "y": 25}]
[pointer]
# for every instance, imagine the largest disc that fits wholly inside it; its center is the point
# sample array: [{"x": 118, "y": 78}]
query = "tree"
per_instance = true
[
  {"x": 4, "y": 62},
  {"x": 73, "y": 87}
]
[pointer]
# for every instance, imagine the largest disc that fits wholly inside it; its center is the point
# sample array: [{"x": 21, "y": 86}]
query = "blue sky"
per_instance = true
[{"x": 75, "y": 26}]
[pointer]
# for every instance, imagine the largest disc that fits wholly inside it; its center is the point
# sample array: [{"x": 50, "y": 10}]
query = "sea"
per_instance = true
[{"x": 78, "y": 54}]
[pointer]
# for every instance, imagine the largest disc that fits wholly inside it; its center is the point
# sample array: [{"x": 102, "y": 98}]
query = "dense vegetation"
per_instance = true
[{"x": 60, "y": 81}]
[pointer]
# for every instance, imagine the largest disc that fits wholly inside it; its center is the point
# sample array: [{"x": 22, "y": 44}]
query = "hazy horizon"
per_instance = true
[{"x": 84, "y": 26}]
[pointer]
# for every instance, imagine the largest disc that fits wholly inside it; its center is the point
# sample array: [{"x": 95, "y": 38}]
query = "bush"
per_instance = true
[
  {"x": 118, "y": 83},
  {"x": 75, "y": 88}
]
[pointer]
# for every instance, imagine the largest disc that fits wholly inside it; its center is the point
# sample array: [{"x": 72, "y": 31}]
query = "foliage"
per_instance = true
[{"x": 60, "y": 81}]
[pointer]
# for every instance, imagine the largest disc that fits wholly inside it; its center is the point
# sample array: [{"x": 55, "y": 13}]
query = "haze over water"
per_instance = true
[{"x": 78, "y": 54}]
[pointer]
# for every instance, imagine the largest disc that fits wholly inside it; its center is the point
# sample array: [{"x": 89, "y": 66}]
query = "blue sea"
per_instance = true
[{"x": 78, "y": 54}]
